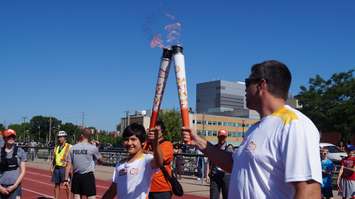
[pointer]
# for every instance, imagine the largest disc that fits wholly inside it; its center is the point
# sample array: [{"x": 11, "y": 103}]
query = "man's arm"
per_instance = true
[
  {"x": 307, "y": 189},
  {"x": 221, "y": 158},
  {"x": 110, "y": 192}
]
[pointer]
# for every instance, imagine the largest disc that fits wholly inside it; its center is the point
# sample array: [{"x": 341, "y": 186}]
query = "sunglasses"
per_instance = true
[{"x": 249, "y": 81}]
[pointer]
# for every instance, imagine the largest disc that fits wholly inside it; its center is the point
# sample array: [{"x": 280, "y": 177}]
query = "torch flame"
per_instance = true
[{"x": 170, "y": 35}]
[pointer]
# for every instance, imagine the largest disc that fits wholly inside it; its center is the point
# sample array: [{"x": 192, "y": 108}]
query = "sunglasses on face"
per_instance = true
[
  {"x": 249, "y": 81},
  {"x": 11, "y": 136}
]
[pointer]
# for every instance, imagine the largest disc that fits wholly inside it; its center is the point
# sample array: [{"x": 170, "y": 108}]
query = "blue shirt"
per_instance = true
[{"x": 328, "y": 166}]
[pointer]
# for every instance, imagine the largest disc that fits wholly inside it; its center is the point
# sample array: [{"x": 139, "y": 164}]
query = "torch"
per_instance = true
[
  {"x": 181, "y": 84},
  {"x": 160, "y": 86}
]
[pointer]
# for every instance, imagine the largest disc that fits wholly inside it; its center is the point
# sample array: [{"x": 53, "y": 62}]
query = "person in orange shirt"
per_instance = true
[{"x": 160, "y": 187}]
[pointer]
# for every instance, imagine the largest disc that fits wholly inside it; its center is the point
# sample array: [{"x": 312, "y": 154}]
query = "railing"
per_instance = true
[{"x": 188, "y": 164}]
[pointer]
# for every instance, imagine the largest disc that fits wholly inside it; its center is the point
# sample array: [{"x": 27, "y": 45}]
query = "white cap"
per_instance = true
[{"x": 62, "y": 133}]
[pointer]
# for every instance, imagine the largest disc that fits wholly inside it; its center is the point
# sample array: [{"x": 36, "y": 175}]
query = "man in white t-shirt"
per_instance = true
[{"x": 279, "y": 156}]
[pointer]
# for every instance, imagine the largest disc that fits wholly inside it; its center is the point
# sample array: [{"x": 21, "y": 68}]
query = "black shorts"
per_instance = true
[
  {"x": 160, "y": 195},
  {"x": 84, "y": 184}
]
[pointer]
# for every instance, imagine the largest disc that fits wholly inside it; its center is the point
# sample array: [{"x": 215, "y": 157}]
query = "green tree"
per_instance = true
[
  {"x": 73, "y": 131},
  {"x": 172, "y": 121},
  {"x": 21, "y": 130},
  {"x": 331, "y": 103},
  {"x": 40, "y": 127}
]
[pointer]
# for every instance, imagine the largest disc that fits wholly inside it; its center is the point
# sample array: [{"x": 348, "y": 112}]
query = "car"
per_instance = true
[{"x": 334, "y": 153}]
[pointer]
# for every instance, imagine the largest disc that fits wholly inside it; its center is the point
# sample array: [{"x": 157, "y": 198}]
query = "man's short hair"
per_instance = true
[
  {"x": 161, "y": 124},
  {"x": 135, "y": 129},
  {"x": 277, "y": 76}
]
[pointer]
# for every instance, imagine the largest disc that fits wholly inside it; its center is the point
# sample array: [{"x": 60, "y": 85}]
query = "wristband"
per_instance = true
[{"x": 66, "y": 181}]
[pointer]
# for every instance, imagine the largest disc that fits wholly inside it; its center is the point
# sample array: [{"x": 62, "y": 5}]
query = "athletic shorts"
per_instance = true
[
  {"x": 13, "y": 194},
  {"x": 58, "y": 175},
  {"x": 84, "y": 184}
]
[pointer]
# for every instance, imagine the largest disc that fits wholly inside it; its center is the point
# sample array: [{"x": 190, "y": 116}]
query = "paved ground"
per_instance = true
[{"x": 37, "y": 182}]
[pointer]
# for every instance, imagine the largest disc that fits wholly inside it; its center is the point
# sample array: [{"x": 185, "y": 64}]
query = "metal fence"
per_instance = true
[{"x": 183, "y": 163}]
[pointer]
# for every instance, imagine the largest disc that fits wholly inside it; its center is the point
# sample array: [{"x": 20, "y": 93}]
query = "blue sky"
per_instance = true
[{"x": 65, "y": 57}]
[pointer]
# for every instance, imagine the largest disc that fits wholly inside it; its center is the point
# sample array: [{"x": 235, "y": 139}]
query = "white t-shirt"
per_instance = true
[
  {"x": 280, "y": 149},
  {"x": 133, "y": 179}
]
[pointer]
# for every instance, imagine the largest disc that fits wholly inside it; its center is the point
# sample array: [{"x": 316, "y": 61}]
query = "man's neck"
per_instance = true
[
  {"x": 271, "y": 105},
  {"x": 9, "y": 146}
]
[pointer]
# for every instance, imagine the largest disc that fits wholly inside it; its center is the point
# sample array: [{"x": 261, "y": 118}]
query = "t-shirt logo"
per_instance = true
[
  {"x": 122, "y": 172},
  {"x": 134, "y": 171}
]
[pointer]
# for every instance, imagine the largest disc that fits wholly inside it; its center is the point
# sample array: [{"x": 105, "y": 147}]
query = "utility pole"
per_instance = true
[
  {"x": 50, "y": 130},
  {"x": 24, "y": 129},
  {"x": 127, "y": 118},
  {"x": 82, "y": 119}
]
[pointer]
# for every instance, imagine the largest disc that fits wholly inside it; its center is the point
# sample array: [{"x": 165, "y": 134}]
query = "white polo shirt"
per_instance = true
[{"x": 280, "y": 149}]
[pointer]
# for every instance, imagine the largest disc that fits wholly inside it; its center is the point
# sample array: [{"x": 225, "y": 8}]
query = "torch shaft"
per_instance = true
[
  {"x": 160, "y": 86},
  {"x": 181, "y": 84}
]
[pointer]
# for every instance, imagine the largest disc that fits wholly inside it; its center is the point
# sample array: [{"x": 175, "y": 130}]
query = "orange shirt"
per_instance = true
[{"x": 159, "y": 183}]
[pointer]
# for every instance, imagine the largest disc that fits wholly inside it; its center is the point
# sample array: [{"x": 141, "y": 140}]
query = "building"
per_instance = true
[
  {"x": 223, "y": 98},
  {"x": 139, "y": 117},
  {"x": 205, "y": 125}
]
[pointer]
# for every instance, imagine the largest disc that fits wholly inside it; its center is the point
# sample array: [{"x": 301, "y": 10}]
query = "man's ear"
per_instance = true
[{"x": 262, "y": 87}]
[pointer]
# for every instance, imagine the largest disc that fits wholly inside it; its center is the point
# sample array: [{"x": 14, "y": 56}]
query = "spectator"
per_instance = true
[
  {"x": 219, "y": 179},
  {"x": 341, "y": 145},
  {"x": 132, "y": 176},
  {"x": 160, "y": 187},
  {"x": 81, "y": 160},
  {"x": 279, "y": 156},
  {"x": 327, "y": 173},
  {"x": 346, "y": 177},
  {"x": 12, "y": 167},
  {"x": 59, "y": 164},
  {"x": 179, "y": 161}
]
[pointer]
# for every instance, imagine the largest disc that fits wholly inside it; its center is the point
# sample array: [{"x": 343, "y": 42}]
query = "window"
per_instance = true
[{"x": 199, "y": 122}]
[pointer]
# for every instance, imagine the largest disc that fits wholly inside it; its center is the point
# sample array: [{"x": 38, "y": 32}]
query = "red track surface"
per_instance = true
[{"x": 37, "y": 183}]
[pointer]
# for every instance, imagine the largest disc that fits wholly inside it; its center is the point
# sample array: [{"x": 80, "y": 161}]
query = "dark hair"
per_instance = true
[
  {"x": 161, "y": 124},
  {"x": 135, "y": 129},
  {"x": 277, "y": 76}
]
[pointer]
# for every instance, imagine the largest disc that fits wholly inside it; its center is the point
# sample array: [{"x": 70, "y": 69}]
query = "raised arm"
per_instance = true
[
  {"x": 158, "y": 155},
  {"x": 221, "y": 158}
]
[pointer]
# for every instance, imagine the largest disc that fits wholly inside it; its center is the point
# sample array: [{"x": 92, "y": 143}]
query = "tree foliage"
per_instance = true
[
  {"x": 172, "y": 121},
  {"x": 331, "y": 103}
]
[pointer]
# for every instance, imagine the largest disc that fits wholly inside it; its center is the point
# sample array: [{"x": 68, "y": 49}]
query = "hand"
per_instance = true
[
  {"x": 3, "y": 190},
  {"x": 11, "y": 188},
  {"x": 51, "y": 169},
  {"x": 153, "y": 134},
  {"x": 188, "y": 135}
]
